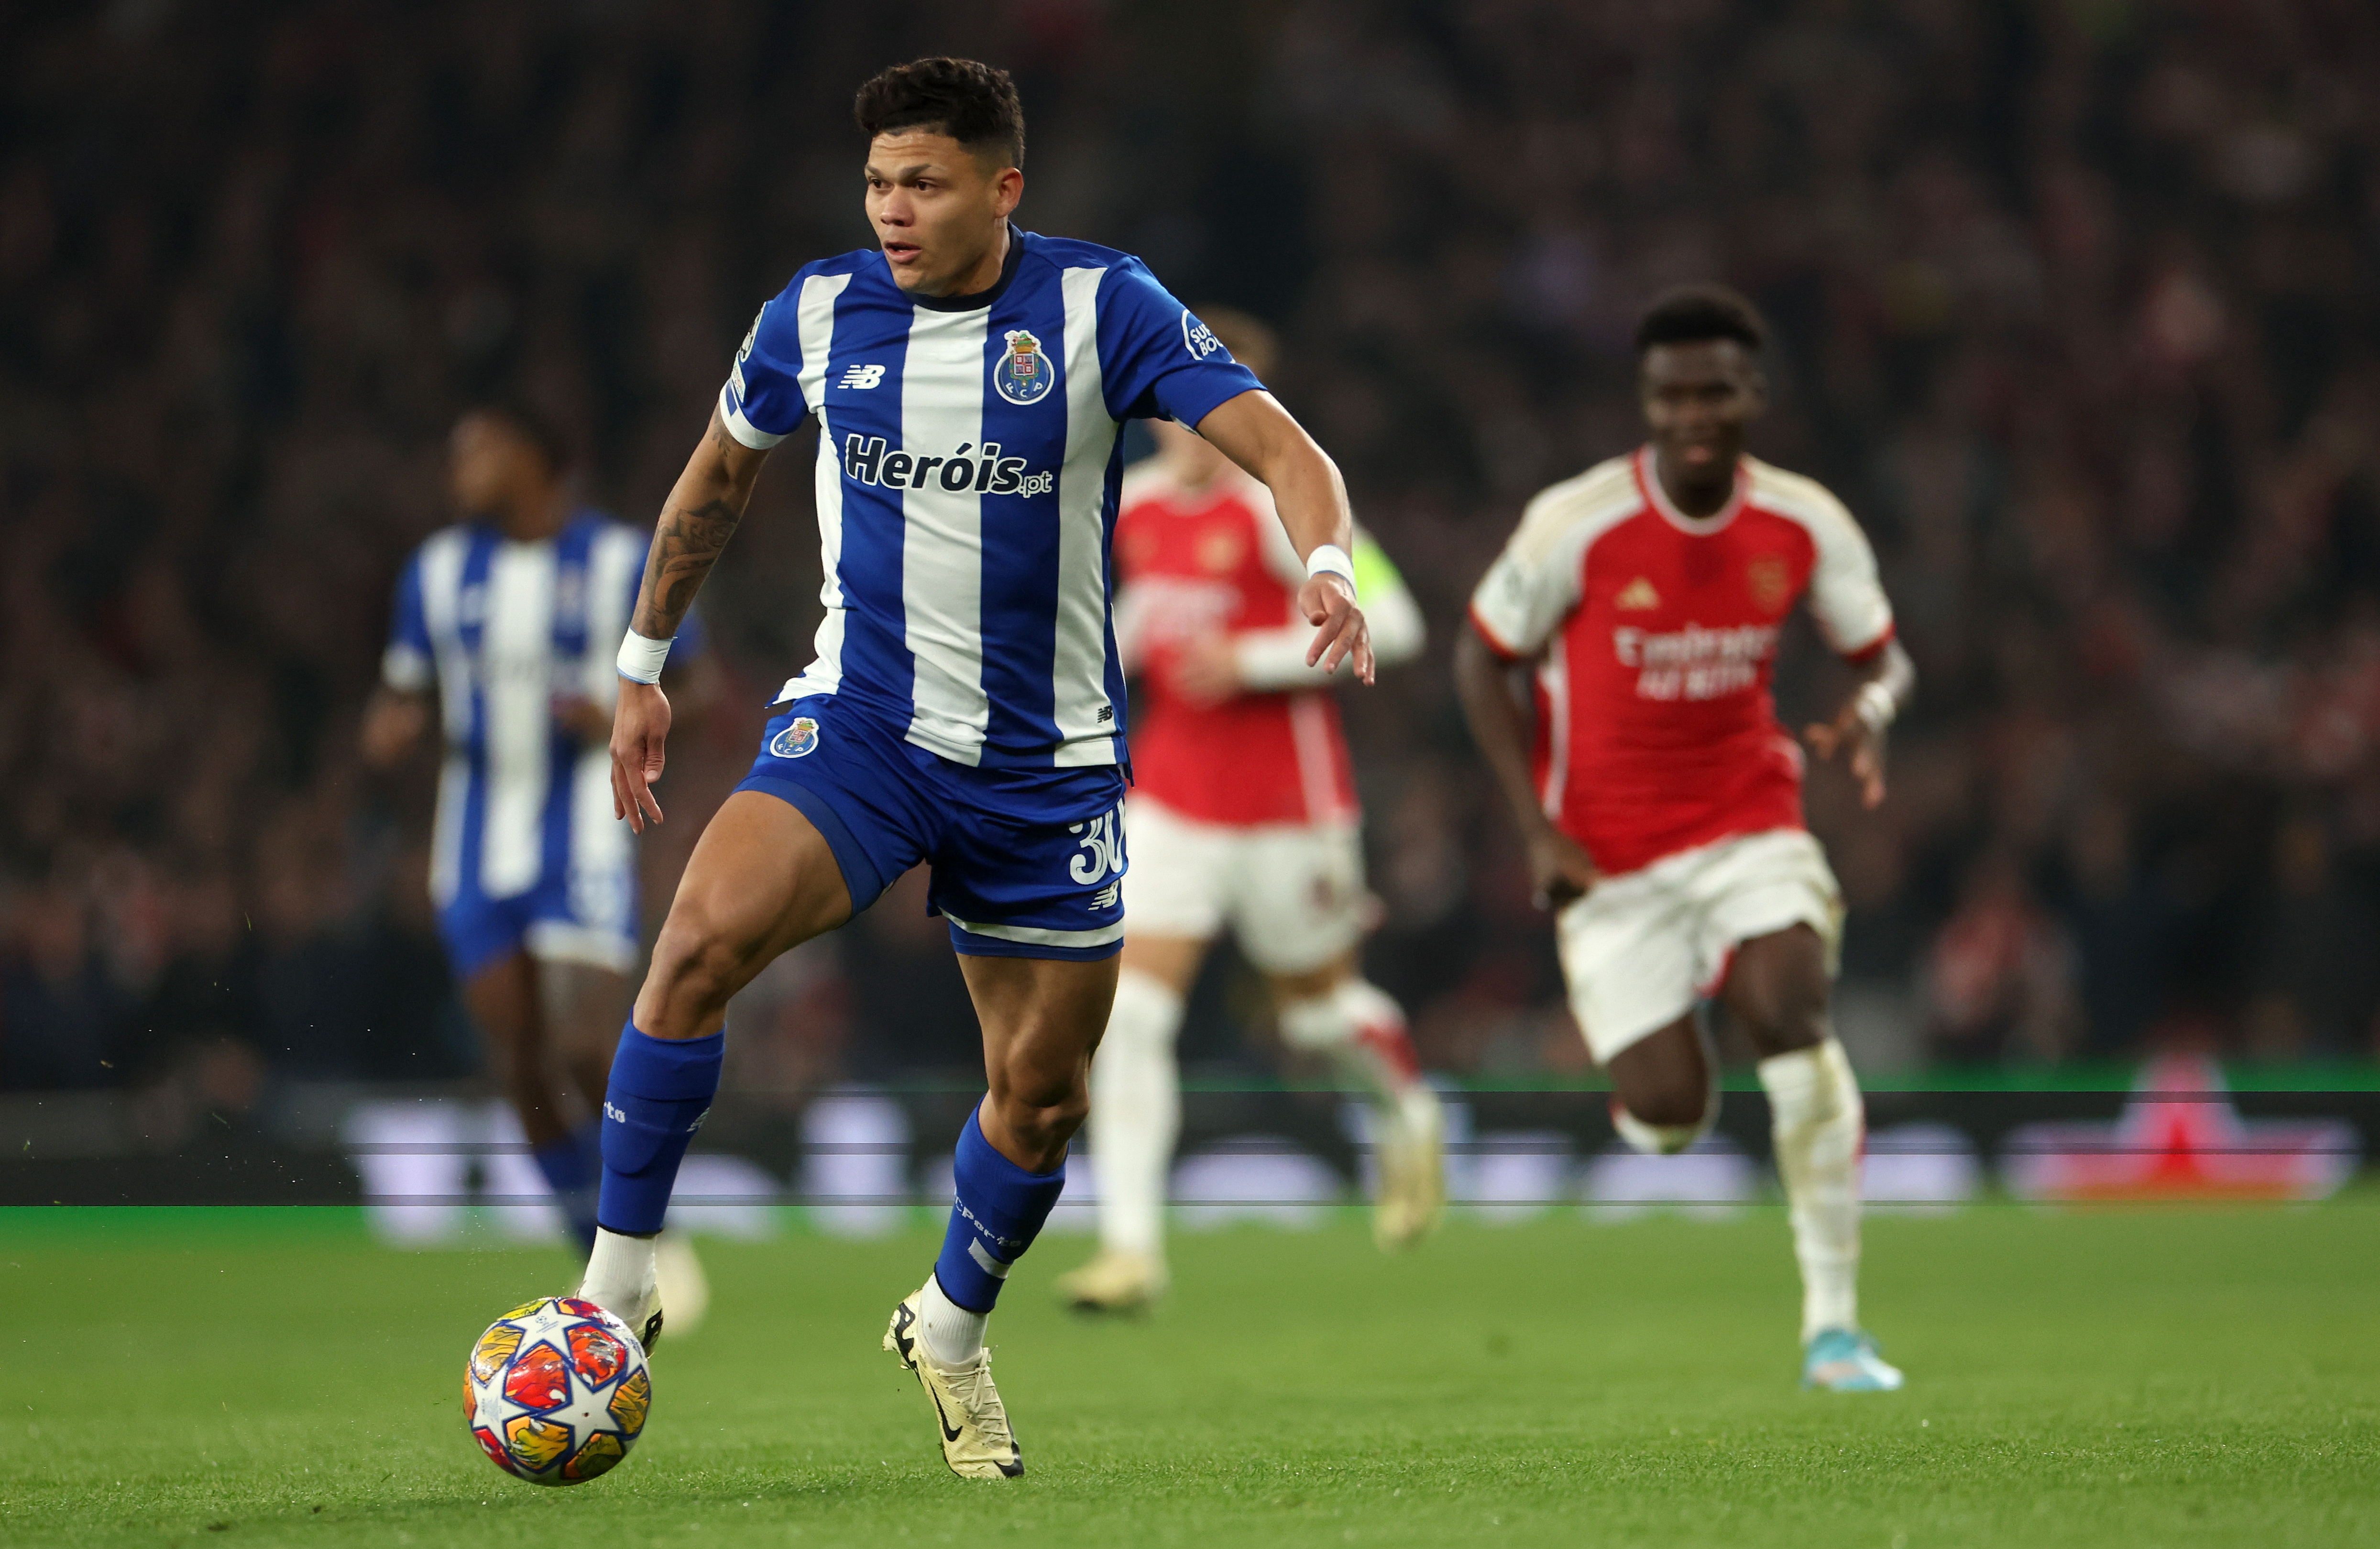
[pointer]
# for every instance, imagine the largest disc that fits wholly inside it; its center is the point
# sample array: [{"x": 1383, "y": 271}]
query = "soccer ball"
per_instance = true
[{"x": 556, "y": 1391}]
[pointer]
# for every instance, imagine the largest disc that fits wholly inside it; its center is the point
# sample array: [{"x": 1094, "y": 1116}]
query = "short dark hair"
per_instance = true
[
  {"x": 965, "y": 99},
  {"x": 1694, "y": 314},
  {"x": 532, "y": 425}
]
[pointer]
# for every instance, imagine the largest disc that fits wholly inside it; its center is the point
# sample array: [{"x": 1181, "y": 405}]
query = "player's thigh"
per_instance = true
[
  {"x": 501, "y": 995},
  {"x": 1628, "y": 958},
  {"x": 1172, "y": 960},
  {"x": 583, "y": 1005},
  {"x": 761, "y": 881},
  {"x": 1297, "y": 899},
  {"x": 1772, "y": 918},
  {"x": 1777, "y": 989},
  {"x": 1664, "y": 1077},
  {"x": 1042, "y": 1018},
  {"x": 1174, "y": 887}
]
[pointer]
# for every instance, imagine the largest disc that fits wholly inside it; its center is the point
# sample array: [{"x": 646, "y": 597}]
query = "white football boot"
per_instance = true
[
  {"x": 1411, "y": 1158},
  {"x": 1115, "y": 1281},
  {"x": 623, "y": 1279},
  {"x": 972, "y": 1422},
  {"x": 679, "y": 1282}
]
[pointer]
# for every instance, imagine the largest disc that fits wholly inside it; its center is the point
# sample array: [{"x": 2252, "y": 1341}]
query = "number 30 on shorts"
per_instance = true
[{"x": 1101, "y": 847}]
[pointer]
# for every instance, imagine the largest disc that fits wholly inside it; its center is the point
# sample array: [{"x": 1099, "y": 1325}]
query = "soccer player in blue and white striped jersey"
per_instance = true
[
  {"x": 966, "y": 707},
  {"x": 509, "y": 620}
]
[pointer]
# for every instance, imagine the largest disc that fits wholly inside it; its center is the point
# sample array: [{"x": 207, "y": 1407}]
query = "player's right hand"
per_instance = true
[
  {"x": 1559, "y": 870},
  {"x": 639, "y": 728}
]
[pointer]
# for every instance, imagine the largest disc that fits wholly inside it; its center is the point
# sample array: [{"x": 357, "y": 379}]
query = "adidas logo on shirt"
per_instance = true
[{"x": 1638, "y": 594}]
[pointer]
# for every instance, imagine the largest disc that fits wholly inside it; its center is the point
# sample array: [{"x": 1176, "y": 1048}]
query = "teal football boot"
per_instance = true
[{"x": 1845, "y": 1361}]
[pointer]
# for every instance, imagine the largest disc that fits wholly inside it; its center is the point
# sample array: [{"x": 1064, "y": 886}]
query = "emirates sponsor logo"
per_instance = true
[{"x": 1695, "y": 662}]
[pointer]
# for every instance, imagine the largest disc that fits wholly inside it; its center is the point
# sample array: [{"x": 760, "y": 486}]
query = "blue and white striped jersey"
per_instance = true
[
  {"x": 967, "y": 472},
  {"x": 501, "y": 629}
]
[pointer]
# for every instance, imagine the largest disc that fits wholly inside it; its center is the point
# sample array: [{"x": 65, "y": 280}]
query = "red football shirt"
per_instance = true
[
  {"x": 1190, "y": 563},
  {"x": 1656, "y": 637}
]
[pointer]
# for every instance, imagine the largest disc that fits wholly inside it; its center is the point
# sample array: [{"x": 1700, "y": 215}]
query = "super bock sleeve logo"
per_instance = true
[{"x": 1023, "y": 374}]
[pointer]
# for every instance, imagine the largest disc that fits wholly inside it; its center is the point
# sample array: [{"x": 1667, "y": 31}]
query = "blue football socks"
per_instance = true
[
  {"x": 571, "y": 1165},
  {"x": 999, "y": 1212},
  {"x": 661, "y": 1091}
]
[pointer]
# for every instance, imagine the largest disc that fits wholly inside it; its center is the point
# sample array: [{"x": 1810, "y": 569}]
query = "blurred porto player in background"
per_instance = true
[
  {"x": 1243, "y": 813},
  {"x": 1663, "y": 804},
  {"x": 510, "y": 618},
  {"x": 966, "y": 705}
]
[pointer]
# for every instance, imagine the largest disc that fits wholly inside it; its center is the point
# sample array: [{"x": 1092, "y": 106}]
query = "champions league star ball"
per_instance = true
[{"x": 556, "y": 1391}]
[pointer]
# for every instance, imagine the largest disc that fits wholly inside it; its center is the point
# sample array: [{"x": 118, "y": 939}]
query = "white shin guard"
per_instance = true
[
  {"x": 1818, "y": 1124},
  {"x": 1136, "y": 1113}
]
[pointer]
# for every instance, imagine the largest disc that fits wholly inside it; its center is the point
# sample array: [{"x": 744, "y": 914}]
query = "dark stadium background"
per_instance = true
[{"x": 2074, "y": 304}]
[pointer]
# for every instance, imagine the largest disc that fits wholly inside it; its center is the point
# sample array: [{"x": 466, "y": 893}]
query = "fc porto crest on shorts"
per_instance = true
[
  {"x": 798, "y": 740},
  {"x": 1023, "y": 374}
]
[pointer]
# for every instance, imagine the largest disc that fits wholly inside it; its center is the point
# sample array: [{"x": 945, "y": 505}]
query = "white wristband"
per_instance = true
[
  {"x": 1330, "y": 559},
  {"x": 640, "y": 659},
  {"x": 1876, "y": 707}
]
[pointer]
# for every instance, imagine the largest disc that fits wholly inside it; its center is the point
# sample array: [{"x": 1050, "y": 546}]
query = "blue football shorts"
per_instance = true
[
  {"x": 1028, "y": 863},
  {"x": 581, "y": 909}
]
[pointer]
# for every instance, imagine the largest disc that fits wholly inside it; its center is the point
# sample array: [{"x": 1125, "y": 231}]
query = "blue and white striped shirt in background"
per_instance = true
[{"x": 501, "y": 629}]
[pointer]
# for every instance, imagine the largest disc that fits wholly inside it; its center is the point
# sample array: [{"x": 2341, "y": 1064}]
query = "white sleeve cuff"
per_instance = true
[{"x": 731, "y": 414}]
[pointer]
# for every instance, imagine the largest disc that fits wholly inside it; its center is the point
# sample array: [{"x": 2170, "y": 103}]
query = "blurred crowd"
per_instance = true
[{"x": 2073, "y": 307}]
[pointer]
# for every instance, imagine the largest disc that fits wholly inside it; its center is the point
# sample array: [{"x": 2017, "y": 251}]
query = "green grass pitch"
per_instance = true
[{"x": 2155, "y": 1377}]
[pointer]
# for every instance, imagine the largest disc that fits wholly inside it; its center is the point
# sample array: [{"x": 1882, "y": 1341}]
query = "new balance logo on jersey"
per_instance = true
[
  {"x": 872, "y": 461},
  {"x": 1638, "y": 594},
  {"x": 862, "y": 378}
]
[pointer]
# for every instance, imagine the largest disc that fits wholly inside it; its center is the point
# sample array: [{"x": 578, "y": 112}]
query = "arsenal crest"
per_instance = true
[
  {"x": 1770, "y": 583},
  {"x": 1023, "y": 374}
]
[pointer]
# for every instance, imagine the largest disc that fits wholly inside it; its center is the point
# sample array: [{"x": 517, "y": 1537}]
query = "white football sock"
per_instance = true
[
  {"x": 1818, "y": 1125},
  {"x": 1136, "y": 1113},
  {"x": 953, "y": 1335},
  {"x": 1362, "y": 1031},
  {"x": 621, "y": 1277}
]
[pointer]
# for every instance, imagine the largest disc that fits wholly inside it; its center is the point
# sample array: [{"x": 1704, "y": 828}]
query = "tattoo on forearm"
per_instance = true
[{"x": 686, "y": 545}]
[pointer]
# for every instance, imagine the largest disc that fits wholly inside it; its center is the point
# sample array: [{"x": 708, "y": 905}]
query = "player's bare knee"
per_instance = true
[
  {"x": 1797, "y": 1021},
  {"x": 694, "y": 971},
  {"x": 1668, "y": 1104}
]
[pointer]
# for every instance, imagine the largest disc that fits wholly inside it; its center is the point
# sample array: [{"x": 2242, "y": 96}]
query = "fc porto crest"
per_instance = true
[
  {"x": 798, "y": 740},
  {"x": 1023, "y": 373}
]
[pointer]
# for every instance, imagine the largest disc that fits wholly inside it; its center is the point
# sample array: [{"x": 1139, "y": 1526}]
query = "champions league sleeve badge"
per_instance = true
[{"x": 1023, "y": 374}]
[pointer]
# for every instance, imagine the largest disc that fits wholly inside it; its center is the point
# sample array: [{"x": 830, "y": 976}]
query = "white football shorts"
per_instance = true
[
  {"x": 1641, "y": 948},
  {"x": 1293, "y": 893}
]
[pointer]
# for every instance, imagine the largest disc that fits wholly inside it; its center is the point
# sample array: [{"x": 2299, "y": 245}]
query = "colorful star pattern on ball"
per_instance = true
[{"x": 556, "y": 1391}]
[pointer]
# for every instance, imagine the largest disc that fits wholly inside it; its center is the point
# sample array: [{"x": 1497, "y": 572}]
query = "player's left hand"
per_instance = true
[
  {"x": 1205, "y": 671},
  {"x": 1848, "y": 732},
  {"x": 639, "y": 738},
  {"x": 1339, "y": 631}
]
